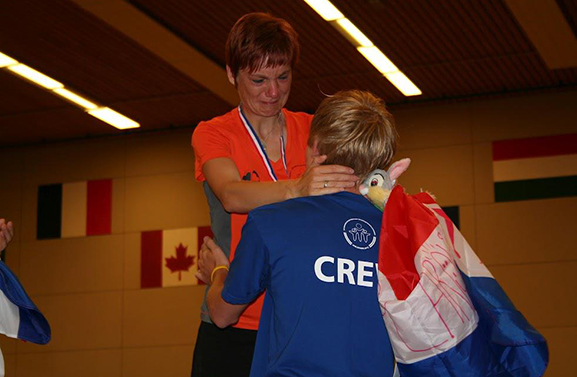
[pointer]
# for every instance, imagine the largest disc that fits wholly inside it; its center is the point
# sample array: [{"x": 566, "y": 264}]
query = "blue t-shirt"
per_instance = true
[{"x": 317, "y": 259}]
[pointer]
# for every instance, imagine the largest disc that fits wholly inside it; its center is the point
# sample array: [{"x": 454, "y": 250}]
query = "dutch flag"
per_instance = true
[{"x": 445, "y": 313}]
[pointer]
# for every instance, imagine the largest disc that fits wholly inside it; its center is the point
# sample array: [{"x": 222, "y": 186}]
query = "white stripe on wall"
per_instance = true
[
  {"x": 534, "y": 168},
  {"x": 74, "y": 196},
  {"x": 170, "y": 240}
]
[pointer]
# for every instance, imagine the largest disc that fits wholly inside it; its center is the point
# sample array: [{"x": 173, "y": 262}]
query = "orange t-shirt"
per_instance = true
[{"x": 226, "y": 136}]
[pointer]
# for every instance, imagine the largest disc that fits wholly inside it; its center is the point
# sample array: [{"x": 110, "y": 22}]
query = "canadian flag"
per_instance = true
[{"x": 170, "y": 257}]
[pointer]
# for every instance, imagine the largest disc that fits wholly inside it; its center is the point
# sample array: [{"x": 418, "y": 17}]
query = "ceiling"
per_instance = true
[{"x": 161, "y": 62}]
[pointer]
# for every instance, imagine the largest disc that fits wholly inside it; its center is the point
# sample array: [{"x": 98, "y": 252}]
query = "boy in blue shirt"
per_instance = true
[{"x": 316, "y": 257}]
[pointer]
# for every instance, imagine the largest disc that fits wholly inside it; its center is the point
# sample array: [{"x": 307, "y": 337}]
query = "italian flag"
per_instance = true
[
  {"x": 75, "y": 209},
  {"x": 170, "y": 257},
  {"x": 535, "y": 168}
]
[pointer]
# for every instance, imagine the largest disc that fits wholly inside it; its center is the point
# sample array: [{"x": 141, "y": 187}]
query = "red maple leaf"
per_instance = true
[{"x": 182, "y": 262}]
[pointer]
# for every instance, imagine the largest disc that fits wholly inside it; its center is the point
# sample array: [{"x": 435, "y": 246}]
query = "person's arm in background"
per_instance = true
[
  {"x": 6, "y": 233},
  {"x": 241, "y": 196}
]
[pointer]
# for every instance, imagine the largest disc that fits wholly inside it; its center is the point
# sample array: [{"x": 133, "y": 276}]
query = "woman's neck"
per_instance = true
[{"x": 265, "y": 127}]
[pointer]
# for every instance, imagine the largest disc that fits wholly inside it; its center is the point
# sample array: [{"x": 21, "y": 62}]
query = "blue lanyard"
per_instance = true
[{"x": 260, "y": 148}]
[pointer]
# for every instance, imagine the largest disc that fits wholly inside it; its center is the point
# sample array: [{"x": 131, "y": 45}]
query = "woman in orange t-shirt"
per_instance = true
[{"x": 251, "y": 156}]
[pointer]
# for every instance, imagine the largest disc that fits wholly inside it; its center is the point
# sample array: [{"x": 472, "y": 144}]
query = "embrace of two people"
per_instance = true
[{"x": 320, "y": 314}]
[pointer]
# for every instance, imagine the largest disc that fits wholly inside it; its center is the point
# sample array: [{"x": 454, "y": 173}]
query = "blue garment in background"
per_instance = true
[{"x": 19, "y": 317}]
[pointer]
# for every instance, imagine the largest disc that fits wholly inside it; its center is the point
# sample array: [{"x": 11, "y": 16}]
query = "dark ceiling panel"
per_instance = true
[
  {"x": 476, "y": 46},
  {"x": 17, "y": 96},
  {"x": 569, "y": 10},
  {"x": 88, "y": 56},
  {"x": 72, "y": 46},
  {"x": 185, "y": 110},
  {"x": 453, "y": 50},
  {"x": 51, "y": 125},
  {"x": 206, "y": 24},
  {"x": 306, "y": 95}
]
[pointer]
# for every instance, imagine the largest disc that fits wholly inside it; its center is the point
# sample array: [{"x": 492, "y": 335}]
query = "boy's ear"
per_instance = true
[{"x": 315, "y": 148}]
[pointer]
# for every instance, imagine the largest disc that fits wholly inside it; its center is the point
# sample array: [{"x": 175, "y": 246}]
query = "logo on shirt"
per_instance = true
[
  {"x": 359, "y": 234},
  {"x": 251, "y": 177}
]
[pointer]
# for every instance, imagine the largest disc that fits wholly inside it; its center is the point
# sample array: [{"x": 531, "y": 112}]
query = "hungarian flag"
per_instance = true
[
  {"x": 170, "y": 257},
  {"x": 74, "y": 209},
  {"x": 535, "y": 168},
  {"x": 445, "y": 313}
]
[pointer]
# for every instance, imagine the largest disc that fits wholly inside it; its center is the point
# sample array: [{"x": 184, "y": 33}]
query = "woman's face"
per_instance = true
[{"x": 264, "y": 92}]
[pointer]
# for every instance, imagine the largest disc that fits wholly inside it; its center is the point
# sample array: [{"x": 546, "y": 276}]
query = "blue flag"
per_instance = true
[{"x": 19, "y": 317}]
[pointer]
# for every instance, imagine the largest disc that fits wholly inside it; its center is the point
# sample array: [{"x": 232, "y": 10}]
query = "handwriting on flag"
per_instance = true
[{"x": 441, "y": 293}]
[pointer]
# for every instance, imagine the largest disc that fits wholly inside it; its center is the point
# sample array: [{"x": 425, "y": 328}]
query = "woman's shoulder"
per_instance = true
[
  {"x": 223, "y": 122},
  {"x": 218, "y": 128}
]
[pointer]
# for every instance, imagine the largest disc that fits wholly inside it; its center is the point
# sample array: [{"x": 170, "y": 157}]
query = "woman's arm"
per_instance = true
[{"x": 241, "y": 196}]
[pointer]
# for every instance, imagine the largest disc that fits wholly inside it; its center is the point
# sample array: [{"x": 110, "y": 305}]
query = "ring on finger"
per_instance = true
[{"x": 326, "y": 184}]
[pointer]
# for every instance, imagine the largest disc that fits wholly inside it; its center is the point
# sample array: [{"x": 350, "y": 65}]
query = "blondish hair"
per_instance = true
[
  {"x": 260, "y": 40},
  {"x": 354, "y": 128}
]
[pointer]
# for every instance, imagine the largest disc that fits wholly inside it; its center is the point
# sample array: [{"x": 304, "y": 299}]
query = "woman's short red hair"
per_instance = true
[{"x": 260, "y": 40}]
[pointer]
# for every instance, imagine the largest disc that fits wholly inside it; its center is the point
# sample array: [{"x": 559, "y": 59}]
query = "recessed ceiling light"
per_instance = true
[
  {"x": 365, "y": 46},
  {"x": 403, "y": 83},
  {"x": 325, "y": 9},
  {"x": 73, "y": 97},
  {"x": 378, "y": 59},
  {"x": 103, "y": 113},
  {"x": 113, "y": 118},
  {"x": 6, "y": 60},
  {"x": 354, "y": 32},
  {"x": 35, "y": 76}
]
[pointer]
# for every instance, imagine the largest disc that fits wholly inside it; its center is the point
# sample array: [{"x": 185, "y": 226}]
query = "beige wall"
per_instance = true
[{"x": 105, "y": 325}]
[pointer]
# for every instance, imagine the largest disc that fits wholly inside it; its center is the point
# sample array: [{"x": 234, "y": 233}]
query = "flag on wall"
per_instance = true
[
  {"x": 170, "y": 257},
  {"x": 445, "y": 313},
  {"x": 74, "y": 209},
  {"x": 535, "y": 168}
]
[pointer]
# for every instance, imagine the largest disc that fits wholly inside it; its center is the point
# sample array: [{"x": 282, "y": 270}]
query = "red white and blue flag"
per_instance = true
[{"x": 445, "y": 313}]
